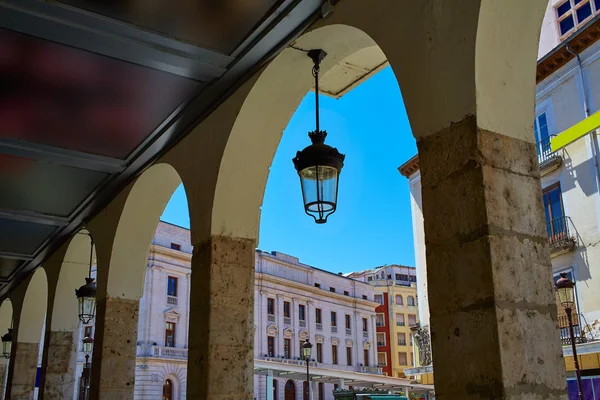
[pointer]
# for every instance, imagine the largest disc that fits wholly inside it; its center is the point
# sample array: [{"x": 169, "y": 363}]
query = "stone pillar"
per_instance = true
[
  {"x": 491, "y": 299},
  {"x": 60, "y": 372},
  {"x": 221, "y": 358},
  {"x": 3, "y": 372},
  {"x": 113, "y": 360},
  {"x": 25, "y": 361},
  {"x": 280, "y": 325}
]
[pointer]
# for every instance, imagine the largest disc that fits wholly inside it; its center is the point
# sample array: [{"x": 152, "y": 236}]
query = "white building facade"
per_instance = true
[
  {"x": 293, "y": 302},
  {"x": 567, "y": 93}
]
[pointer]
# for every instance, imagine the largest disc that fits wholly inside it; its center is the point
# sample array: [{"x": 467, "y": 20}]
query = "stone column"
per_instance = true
[
  {"x": 280, "y": 325},
  {"x": 3, "y": 371},
  {"x": 220, "y": 363},
  {"x": 295, "y": 350},
  {"x": 25, "y": 361},
  {"x": 492, "y": 305},
  {"x": 113, "y": 360},
  {"x": 60, "y": 368}
]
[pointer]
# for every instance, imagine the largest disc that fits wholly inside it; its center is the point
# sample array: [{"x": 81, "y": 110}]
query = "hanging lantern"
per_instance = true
[
  {"x": 86, "y": 294},
  {"x": 88, "y": 345},
  {"x": 565, "y": 289},
  {"x": 7, "y": 343},
  {"x": 319, "y": 165}
]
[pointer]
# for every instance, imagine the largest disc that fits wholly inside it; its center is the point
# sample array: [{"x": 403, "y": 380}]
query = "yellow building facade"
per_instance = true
[{"x": 396, "y": 292}]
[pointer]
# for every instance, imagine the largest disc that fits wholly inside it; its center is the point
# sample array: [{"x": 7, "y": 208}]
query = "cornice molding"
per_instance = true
[
  {"x": 336, "y": 297},
  {"x": 409, "y": 167},
  {"x": 559, "y": 56}
]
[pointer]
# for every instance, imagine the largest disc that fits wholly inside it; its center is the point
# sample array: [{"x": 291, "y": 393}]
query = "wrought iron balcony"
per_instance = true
[
  {"x": 560, "y": 238},
  {"x": 172, "y": 300},
  {"x": 548, "y": 160},
  {"x": 565, "y": 335}
]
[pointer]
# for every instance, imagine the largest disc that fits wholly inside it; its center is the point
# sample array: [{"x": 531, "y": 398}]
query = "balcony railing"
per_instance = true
[
  {"x": 292, "y": 361},
  {"x": 380, "y": 343},
  {"x": 334, "y": 329},
  {"x": 169, "y": 352},
  {"x": 401, "y": 342},
  {"x": 271, "y": 317},
  {"x": 565, "y": 335},
  {"x": 302, "y": 323},
  {"x": 379, "y": 323},
  {"x": 348, "y": 331},
  {"x": 319, "y": 326},
  {"x": 548, "y": 159},
  {"x": 371, "y": 370},
  {"x": 287, "y": 320},
  {"x": 560, "y": 238},
  {"x": 172, "y": 300},
  {"x": 399, "y": 323},
  {"x": 365, "y": 333}
]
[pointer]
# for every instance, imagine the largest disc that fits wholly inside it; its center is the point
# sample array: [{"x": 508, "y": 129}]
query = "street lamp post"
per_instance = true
[
  {"x": 565, "y": 289},
  {"x": 306, "y": 352},
  {"x": 88, "y": 347}
]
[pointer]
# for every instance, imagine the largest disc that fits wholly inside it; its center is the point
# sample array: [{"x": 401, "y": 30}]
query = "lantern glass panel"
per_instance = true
[
  {"x": 6, "y": 348},
  {"x": 319, "y": 189},
  {"x": 566, "y": 296},
  {"x": 87, "y": 309},
  {"x": 306, "y": 350},
  {"x": 88, "y": 345}
]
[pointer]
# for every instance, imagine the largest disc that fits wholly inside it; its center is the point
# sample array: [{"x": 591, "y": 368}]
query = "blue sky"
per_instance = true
[{"x": 372, "y": 225}]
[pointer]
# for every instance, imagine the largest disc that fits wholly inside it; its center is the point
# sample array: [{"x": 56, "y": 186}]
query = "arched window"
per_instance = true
[
  {"x": 399, "y": 300},
  {"x": 167, "y": 390}
]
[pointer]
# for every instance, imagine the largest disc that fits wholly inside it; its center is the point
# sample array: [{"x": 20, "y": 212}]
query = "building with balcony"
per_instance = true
[
  {"x": 293, "y": 302},
  {"x": 397, "y": 310},
  {"x": 567, "y": 92},
  {"x": 112, "y": 105}
]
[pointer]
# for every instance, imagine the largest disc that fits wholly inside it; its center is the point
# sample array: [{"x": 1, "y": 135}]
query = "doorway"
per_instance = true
[{"x": 290, "y": 390}]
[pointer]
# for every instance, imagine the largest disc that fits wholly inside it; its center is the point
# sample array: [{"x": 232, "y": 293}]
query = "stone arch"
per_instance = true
[
  {"x": 123, "y": 235},
  {"x": 143, "y": 207},
  {"x": 33, "y": 310},
  {"x": 6, "y": 322},
  {"x": 177, "y": 378},
  {"x": 445, "y": 58},
  {"x": 28, "y": 333},
  {"x": 66, "y": 270},
  {"x": 6, "y": 316}
]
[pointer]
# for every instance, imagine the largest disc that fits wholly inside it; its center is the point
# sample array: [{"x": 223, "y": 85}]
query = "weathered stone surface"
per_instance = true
[
  {"x": 113, "y": 363},
  {"x": 60, "y": 372},
  {"x": 222, "y": 320},
  {"x": 3, "y": 371},
  {"x": 489, "y": 273},
  {"x": 24, "y": 371}
]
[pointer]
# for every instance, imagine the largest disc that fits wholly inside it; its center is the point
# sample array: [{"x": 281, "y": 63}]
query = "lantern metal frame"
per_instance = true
[
  {"x": 88, "y": 345},
  {"x": 7, "y": 338},
  {"x": 565, "y": 288},
  {"x": 87, "y": 292},
  {"x": 318, "y": 154}
]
